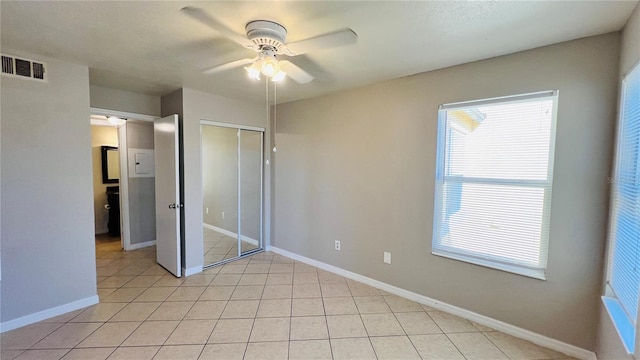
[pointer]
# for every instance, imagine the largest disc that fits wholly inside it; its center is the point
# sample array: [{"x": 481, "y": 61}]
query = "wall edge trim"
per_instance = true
[
  {"x": 506, "y": 328},
  {"x": 230, "y": 233},
  {"x": 191, "y": 271},
  {"x": 141, "y": 245},
  {"x": 122, "y": 114},
  {"x": 48, "y": 313}
]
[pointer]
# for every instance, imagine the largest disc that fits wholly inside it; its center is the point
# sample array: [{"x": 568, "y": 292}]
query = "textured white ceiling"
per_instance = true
[{"x": 153, "y": 48}]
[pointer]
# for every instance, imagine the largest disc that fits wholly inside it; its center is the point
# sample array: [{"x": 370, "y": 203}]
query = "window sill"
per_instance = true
[
  {"x": 624, "y": 327},
  {"x": 528, "y": 272}
]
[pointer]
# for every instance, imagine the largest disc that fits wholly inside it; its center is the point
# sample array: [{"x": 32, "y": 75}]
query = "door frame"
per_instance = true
[
  {"x": 125, "y": 226},
  {"x": 261, "y": 246}
]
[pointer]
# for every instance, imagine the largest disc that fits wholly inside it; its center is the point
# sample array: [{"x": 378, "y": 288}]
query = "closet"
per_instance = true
[{"x": 232, "y": 187}]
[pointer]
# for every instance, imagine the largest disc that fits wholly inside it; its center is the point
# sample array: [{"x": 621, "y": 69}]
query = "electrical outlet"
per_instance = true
[
  {"x": 207, "y": 210},
  {"x": 387, "y": 258},
  {"x": 337, "y": 245},
  {"x": 223, "y": 215}
]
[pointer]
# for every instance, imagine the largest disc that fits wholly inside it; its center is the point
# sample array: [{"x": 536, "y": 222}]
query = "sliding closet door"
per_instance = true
[
  {"x": 220, "y": 192},
  {"x": 250, "y": 224},
  {"x": 232, "y": 191}
]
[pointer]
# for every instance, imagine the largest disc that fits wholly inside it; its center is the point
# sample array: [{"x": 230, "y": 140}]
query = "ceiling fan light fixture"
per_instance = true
[
  {"x": 254, "y": 70},
  {"x": 269, "y": 40},
  {"x": 279, "y": 76},
  {"x": 269, "y": 66}
]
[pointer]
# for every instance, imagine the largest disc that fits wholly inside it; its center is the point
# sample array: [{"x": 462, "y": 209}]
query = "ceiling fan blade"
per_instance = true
[
  {"x": 228, "y": 66},
  {"x": 326, "y": 41},
  {"x": 206, "y": 19},
  {"x": 294, "y": 72}
]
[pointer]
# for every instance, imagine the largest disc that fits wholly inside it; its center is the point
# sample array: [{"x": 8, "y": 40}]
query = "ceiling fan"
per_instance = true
[{"x": 268, "y": 39}]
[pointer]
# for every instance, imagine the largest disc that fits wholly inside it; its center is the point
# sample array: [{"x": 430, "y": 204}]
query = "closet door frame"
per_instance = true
[{"x": 261, "y": 215}]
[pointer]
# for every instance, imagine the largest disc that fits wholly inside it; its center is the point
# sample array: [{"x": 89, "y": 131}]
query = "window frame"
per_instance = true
[
  {"x": 625, "y": 326},
  {"x": 441, "y": 178}
]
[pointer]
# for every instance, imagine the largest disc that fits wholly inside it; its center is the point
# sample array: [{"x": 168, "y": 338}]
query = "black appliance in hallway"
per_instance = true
[{"x": 113, "y": 201}]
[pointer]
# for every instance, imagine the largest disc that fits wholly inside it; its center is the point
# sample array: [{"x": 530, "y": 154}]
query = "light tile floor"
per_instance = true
[
  {"x": 263, "y": 307},
  {"x": 218, "y": 247}
]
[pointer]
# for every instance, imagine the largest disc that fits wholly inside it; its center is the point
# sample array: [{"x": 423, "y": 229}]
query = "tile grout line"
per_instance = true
[
  {"x": 143, "y": 321},
  {"x": 253, "y": 322},
  {"x": 496, "y": 345},
  {"x": 137, "y": 327},
  {"x": 442, "y": 332},
  {"x": 326, "y": 322},
  {"x": 402, "y": 327},
  {"x": 456, "y": 346},
  {"x": 365, "y": 327}
]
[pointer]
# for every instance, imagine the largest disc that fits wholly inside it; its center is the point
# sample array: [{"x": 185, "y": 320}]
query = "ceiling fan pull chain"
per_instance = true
[
  {"x": 266, "y": 88},
  {"x": 275, "y": 118}
]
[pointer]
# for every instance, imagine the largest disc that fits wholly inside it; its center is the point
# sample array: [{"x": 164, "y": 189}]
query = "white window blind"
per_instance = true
[
  {"x": 493, "y": 182},
  {"x": 624, "y": 230}
]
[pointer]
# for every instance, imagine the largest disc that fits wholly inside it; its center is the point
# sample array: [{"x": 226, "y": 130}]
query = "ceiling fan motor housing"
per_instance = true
[{"x": 267, "y": 35}]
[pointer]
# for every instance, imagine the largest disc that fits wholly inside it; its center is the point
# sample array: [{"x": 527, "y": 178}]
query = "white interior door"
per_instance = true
[{"x": 168, "y": 202}]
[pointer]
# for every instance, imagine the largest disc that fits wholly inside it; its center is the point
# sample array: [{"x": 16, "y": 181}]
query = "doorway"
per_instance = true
[
  {"x": 232, "y": 187},
  {"x": 105, "y": 141}
]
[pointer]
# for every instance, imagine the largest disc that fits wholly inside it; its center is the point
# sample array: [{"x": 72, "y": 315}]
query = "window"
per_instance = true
[
  {"x": 623, "y": 275},
  {"x": 493, "y": 182}
]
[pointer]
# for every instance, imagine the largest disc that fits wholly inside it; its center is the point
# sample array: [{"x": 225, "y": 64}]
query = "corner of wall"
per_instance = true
[
  {"x": 630, "y": 49},
  {"x": 171, "y": 103}
]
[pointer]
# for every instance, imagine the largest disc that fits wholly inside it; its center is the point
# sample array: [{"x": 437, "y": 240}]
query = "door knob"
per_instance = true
[{"x": 172, "y": 206}]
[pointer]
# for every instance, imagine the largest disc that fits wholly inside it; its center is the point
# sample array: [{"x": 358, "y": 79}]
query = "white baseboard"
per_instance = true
[
  {"x": 231, "y": 234},
  {"x": 47, "y": 314},
  {"x": 512, "y": 330},
  {"x": 141, "y": 245},
  {"x": 191, "y": 271}
]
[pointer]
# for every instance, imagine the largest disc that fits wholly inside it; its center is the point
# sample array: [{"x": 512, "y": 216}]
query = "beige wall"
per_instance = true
[
  {"x": 609, "y": 345},
  {"x": 142, "y": 190},
  {"x": 120, "y": 100},
  {"x": 358, "y": 166},
  {"x": 101, "y": 135},
  {"x": 48, "y": 248},
  {"x": 193, "y": 106}
]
